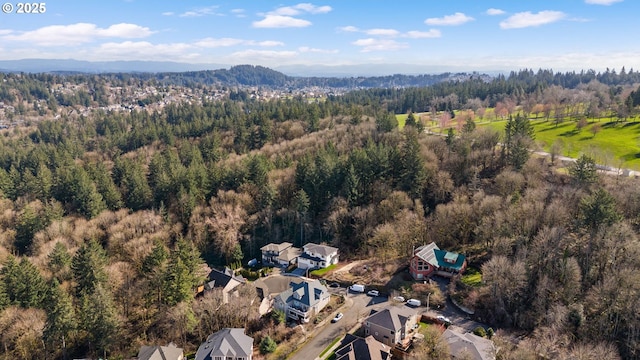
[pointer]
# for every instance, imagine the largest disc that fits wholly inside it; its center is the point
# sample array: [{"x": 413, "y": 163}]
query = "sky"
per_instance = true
[{"x": 471, "y": 35}]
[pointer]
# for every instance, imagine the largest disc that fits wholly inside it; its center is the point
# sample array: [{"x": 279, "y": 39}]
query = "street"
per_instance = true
[{"x": 357, "y": 307}]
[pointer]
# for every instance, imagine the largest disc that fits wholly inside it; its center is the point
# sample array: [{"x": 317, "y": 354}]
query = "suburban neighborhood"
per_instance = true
[{"x": 386, "y": 327}]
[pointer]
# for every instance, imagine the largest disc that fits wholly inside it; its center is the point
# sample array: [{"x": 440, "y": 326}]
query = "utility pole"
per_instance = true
[{"x": 428, "y": 295}]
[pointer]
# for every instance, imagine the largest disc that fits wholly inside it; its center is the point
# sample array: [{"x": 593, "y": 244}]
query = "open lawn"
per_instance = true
[
  {"x": 321, "y": 272},
  {"x": 616, "y": 144},
  {"x": 472, "y": 277}
]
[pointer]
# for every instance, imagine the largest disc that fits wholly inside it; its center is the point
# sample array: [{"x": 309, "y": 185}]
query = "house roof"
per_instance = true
[
  {"x": 440, "y": 258},
  {"x": 276, "y": 247},
  {"x": 322, "y": 250},
  {"x": 356, "y": 348},
  {"x": 222, "y": 278},
  {"x": 307, "y": 292},
  {"x": 478, "y": 347},
  {"x": 392, "y": 318},
  {"x": 449, "y": 260},
  {"x": 289, "y": 254},
  {"x": 169, "y": 352},
  {"x": 227, "y": 342}
]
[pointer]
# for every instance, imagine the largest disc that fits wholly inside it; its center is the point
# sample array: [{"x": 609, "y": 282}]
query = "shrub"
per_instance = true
[
  {"x": 490, "y": 333},
  {"x": 480, "y": 331},
  {"x": 267, "y": 345},
  {"x": 278, "y": 316}
]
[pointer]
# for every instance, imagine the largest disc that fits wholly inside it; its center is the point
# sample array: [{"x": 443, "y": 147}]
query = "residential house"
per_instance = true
[
  {"x": 356, "y": 348},
  {"x": 393, "y": 326},
  {"x": 226, "y": 344},
  {"x": 429, "y": 259},
  {"x": 316, "y": 256},
  {"x": 469, "y": 346},
  {"x": 283, "y": 254},
  {"x": 224, "y": 280},
  {"x": 169, "y": 352},
  {"x": 302, "y": 300}
]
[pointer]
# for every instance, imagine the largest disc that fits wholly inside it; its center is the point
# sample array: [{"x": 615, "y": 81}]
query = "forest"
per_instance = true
[{"x": 109, "y": 222}]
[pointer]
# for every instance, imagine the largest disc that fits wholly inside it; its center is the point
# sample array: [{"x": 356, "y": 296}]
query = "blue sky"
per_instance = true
[{"x": 469, "y": 34}]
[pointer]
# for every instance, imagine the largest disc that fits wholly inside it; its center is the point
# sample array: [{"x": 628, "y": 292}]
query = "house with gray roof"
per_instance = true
[
  {"x": 356, "y": 348},
  {"x": 169, "y": 352},
  {"x": 224, "y": 280},
  {"x": 393, "y": 326},
  {"x": 469, "y": 346},
  {"x": 302, "y": 300},
  {"x": 226, "y": 344},
  {"x": 316, "y": 256},
  {"x": 283, "y": 254},
  {"x": 429, "y": 259}
]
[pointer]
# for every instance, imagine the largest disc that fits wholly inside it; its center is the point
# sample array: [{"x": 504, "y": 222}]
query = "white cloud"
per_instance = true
[
  {"x": 280, "y": 21},
  {"x": 602, "y": 2},
  {"x": 302, "y": 8},
  {"x": 75, "y": 34},
  {"x": 168, "y": 13},
  {"x": 238, "y": 13},
  {"x": 226, "y": 42},
  {"x": 306, "y": 49},
  {"x": 264, "y": 55},
  {"x": 529, "y": 19},
  {"x": 204, "y": 11},
  {"x": 348, "y": 29},
  {"x": 382, "y": 32},
  {"x": 449, "y": 20},
  {"x": 433, "y": 33},
  {"x": 493, "y": 11},
  {"x": 135, "y": 50},
  {"x": 371, "y": 44},
  {"x": 5, "y": 32},
  {"x": 283, "y": 17}
]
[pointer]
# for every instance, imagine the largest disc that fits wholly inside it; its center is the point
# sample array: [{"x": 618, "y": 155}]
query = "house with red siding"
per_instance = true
[{"x": 428, "y": 260}]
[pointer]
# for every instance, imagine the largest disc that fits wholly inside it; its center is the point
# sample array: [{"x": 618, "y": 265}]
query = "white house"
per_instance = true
[
  {"x": 315, "y": 256},
  {"x": 302, "y": 300}
]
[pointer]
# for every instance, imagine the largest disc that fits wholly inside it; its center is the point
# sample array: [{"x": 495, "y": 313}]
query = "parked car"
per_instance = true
[
  {"x": 373, "y": 293},
  {"x": 337, "y": 317},
  {"x": 444, "y": 319},
  {"x": 414, "y": 302},
  {"x": 334, "y": 285},
  {"x": 357, "y": 288},
  {"x": 399, "y": 298}
]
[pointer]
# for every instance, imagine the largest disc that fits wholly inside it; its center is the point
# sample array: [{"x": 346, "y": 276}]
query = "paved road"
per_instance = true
[{"x": 357, "y": 307}]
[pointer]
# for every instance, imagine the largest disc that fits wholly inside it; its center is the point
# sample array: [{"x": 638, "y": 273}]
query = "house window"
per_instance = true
[{"x": 392, "y": 332}]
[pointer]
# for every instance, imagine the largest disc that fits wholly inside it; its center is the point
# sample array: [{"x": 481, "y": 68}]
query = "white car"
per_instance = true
[
  {"x": 414, "y": 302},
  {"x": 444, "y": 319},
  {"x": 337, "y": 317},
  {"x": 373, "y": 293},
  {"x": 399, "y": 299}
]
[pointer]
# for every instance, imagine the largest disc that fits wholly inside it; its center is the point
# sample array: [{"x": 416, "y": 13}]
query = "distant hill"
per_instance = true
[
  {"x": 240, "y": 75},
  {"x": 79, "y": 66}
]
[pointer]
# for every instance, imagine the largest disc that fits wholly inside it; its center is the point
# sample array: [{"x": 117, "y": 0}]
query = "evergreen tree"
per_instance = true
[
  {"x": 267, "y": 345},
  {"x": 352, "y": 186},
  {"x": 59, "y": 261},
  {"x": 29, "y": 222},
  {"x": 24, "y": 285},
  {"x": 412, "y": 175},
  {"x": 177, "y": 285},
  {"x": 519, "y": 136},
  {"x": 584, "y": 171},
  {"x": 88, "y": 267},
  {"x": 61, "y": 319},
  {"x": 99, "y": 319}
]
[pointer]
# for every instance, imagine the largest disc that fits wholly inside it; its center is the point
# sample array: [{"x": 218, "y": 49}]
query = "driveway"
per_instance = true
[{"x": 356, "y": 308}]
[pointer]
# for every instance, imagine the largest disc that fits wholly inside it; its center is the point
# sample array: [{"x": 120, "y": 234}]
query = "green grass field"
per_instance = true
[
  {"x": 402, "y": 118},
  {"x": 617, "y": 144},
  {"x": 321, "y": 272},
  {"x": 472, "y": 277}
]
